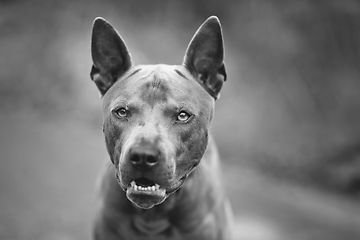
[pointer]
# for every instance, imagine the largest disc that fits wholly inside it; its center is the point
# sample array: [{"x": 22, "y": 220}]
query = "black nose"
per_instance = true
[{"x": 144, "y": 156}]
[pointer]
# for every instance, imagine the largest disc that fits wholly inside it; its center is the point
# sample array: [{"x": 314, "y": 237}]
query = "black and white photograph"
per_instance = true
[{"x": 179, "y": 120}]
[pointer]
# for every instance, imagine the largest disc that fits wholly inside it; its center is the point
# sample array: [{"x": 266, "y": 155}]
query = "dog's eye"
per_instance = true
[
  {"x": 121, "y": 112},
  {"x": 183, "y": 116}
]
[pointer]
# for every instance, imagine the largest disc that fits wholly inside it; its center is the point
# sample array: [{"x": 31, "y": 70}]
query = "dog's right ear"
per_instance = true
[{"x": 110, "y": 56}]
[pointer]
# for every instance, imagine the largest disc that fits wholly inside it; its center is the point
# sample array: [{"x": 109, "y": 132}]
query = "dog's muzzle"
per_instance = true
[{"x": 144, "y": 157}]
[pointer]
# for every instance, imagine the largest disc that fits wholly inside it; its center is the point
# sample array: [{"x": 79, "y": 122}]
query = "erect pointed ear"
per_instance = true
[
  {"x": 110, "y": 56},
  {"x": 205, "y": 55}
]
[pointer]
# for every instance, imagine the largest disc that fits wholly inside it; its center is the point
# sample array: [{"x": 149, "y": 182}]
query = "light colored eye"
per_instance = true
[
  {"x": 183, "y": 116},
  {"x": 121, "y": 112}
]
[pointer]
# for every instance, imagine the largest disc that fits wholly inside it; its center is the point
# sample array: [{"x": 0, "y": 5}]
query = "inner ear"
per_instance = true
[
  {"x": 205, "y": 55},
  {"x": 111, "y": 58}
]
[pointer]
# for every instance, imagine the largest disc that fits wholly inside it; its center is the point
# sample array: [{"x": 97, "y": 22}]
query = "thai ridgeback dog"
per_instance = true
[{"x": 163, "y": 181}]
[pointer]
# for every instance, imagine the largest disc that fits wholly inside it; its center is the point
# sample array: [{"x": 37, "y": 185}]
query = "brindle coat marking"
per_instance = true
[{"x": 163, "y": 181}]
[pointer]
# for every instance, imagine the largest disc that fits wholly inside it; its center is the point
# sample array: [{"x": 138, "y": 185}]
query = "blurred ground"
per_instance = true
[{"x": 287, "y": 122}]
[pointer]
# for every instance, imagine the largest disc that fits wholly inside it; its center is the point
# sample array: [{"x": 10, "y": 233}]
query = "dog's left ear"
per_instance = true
[
  {"x": 204, "y": 56},
  {"x": 111, "y": 58}
]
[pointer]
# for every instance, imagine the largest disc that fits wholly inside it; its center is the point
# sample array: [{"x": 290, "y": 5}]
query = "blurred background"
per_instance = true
[{"x": 287, "y": 123}]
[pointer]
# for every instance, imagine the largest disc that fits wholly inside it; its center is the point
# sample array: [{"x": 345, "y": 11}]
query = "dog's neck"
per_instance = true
[
  {"x": 156, "y": 220},
  {"x": 161, "y": 218}
]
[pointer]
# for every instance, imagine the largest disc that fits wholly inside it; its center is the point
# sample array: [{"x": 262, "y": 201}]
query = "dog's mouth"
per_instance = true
[
  {"x": 145, "y": 193},
  {"x": 145, "y": 186}
]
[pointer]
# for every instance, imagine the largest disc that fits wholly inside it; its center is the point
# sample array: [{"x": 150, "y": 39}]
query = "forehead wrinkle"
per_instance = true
[{"x": 156, "y": 90}]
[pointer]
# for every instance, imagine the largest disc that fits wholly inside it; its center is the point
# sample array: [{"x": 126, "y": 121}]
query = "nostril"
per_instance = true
[
  {"x": 151, "y": 160},
  {"x": 135, "y": 158}
]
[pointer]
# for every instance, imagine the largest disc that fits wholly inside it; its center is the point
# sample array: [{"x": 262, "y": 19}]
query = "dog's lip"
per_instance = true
[
  {"x": 144, "y": 184},
  {"x": 176, "y": 186},
  {"x": 145, "y": 193}
]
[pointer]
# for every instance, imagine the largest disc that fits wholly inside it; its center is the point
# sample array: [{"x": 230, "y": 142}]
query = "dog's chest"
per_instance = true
[{"x": 151, "y": 227}]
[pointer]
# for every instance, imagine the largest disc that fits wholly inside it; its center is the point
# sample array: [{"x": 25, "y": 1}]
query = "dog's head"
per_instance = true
[{"x": 156, "y": 117}]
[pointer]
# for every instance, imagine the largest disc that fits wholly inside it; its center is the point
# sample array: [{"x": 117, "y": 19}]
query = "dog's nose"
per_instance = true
[{"x": 144, "y": 156}]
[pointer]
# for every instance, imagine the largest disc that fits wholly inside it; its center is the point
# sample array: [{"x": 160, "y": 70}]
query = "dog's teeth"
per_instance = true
[{"x": 141, "y": 188}]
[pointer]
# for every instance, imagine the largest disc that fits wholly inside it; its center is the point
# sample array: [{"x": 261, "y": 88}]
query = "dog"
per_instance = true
[{"x": 163, "y": 180}]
